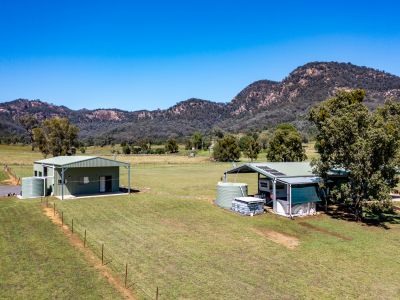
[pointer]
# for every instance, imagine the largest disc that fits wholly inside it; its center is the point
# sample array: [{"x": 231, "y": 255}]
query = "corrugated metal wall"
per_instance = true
[{"x": 32, "y": 187}]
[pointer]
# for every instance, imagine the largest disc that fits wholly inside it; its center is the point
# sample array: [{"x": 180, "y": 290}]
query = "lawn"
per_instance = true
[
  {"x": 173, "y": 237},
  {"x": 37, "y": 261}
]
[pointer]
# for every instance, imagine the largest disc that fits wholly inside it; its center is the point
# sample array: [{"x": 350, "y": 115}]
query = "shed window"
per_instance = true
[
  {"x": 84, "y": 180},
  {"x": 36, "y": 174},
  {"x": 45, "y": 171}
]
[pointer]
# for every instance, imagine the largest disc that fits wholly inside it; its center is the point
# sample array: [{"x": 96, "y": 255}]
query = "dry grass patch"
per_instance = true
[{"x": 288, "y": 241}]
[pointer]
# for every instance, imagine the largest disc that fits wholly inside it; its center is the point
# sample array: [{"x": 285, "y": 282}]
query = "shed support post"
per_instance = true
[
  {"x": 62, "y": 183},
  {"x": 225, "y": 177},
  {"x": 290, "y": 199},
  {"x": 273, "y": 189},
  {"x": 258, "y": 184},
  {"x": 129, "y": 179}
]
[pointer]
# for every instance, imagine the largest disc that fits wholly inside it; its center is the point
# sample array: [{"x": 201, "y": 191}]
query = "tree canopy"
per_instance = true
[
  {"x": 227, "y": 149},
  {"x": 249, "y": 146},
  {"x": 56, "y": 136},
  {"x": 29, "y": 122},
  {"x": 171, "y": 146},
  {"x": 286, "y": 144},
  {"x": 365, "y": 144}
]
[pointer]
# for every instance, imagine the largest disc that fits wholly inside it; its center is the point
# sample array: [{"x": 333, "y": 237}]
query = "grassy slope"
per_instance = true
[
  {"x": 173, "y": 237},
  {"x": 37, "y": 261}
]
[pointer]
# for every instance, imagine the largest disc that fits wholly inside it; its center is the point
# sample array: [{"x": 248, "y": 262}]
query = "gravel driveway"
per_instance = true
[{"x": 9, "y": 189}]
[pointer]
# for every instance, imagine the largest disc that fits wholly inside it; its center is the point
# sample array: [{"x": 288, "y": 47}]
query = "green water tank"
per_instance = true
[
  {"x": 32, "y": 187},
  {"x": 228, "y": 191}
]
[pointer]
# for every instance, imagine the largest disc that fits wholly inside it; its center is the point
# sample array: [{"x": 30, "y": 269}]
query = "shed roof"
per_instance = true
[
  {"x": 81, "y": 162},
  {"x": 275, "y": 169}
]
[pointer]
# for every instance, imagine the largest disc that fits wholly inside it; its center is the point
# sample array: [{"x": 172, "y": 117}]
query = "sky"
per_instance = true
[{"x": 152, "y": 54}]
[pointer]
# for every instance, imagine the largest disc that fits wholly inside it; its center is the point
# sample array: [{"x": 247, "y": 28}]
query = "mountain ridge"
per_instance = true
[{"x": 263, "y": 103}]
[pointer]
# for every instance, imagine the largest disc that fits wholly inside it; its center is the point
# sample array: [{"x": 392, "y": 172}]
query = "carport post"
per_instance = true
[
  {"x": 129, "y": 179},
  {"x": 62, "y": 183},
  {"x": 274, "y": 189},
  {"x": 290, "y": 199}
]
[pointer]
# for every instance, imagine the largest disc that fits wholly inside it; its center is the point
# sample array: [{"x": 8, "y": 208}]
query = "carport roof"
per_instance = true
[{"x": 81, "y": 161}]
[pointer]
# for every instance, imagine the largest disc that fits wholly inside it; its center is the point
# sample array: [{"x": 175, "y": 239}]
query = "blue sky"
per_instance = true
[{"x": 151, "y": 54}]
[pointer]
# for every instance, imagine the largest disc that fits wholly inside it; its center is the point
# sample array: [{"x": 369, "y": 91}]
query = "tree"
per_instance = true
[
  {"x": 227, "y": 149},
  {"x": 263, "y": 140},
  {"x": 29, "y": 123},
  {"x": 244, "y": 142},
  {"x": 366, "y": 145},
  {"x": 171, "y": 146},
  {"x": 126, "y": 149},
  {"x": 188, "y": 144},
  {"x": 286, "y": 145},
  {"x": 252, "y": 149},
  {"x": 145, "y": 144},
  {"x": 56, "y": 136},
  {"x": 197, "y": 140}
]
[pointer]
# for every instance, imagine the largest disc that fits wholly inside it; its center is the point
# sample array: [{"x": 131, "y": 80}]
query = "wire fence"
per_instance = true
[{"x": 122, "y": 270}]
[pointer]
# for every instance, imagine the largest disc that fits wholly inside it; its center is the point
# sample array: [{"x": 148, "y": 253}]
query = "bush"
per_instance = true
[
  {"x": 159, "y": 151},
  {"x": 227, "y": 149},
  {"x": 82, "y": 149},
  {"x": 171, "y": 146},
  {"x": 126, "y": 149}
]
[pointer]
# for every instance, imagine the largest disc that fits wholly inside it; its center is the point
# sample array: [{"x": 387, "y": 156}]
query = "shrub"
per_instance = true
[{"x": 227, "y": 149}]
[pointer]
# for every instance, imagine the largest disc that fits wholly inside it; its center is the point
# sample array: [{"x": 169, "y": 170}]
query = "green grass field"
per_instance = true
[
  {"x": 174, "y": 237},
  {"x": 37, "y": 261}
]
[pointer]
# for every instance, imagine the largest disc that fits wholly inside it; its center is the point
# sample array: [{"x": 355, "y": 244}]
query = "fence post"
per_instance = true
[
  {"x": 54, "y": 209},
  {"x": 62, "y": 219},
  {"x": 72, "y": 226},
  {"x": 102, "y": 254},
  {"x": 126, "y": 274},
  {"x": 157, "y": 293},
  {"x": 84, "y": 240}
]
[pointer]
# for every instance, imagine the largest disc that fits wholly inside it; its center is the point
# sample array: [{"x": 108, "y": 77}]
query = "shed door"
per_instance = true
[{"x": 102, "y": 184}]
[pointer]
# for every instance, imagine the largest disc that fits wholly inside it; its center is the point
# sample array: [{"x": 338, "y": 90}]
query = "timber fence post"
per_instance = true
[
  {"x": 126, "y": 274},
  {"x": 102, "y": 254}
]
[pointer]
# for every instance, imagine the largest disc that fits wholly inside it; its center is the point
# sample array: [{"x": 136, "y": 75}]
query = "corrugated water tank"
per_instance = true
[
  {"x": 228, "y": 191},
  {"x": 32, "y": 187}
]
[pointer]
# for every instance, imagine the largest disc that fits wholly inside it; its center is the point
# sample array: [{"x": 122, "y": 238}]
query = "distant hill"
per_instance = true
[{"x": 262, "y": 104}]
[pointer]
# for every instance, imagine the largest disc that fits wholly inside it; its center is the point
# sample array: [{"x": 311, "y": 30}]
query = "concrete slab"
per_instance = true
[{"x": 69, "y": 197}]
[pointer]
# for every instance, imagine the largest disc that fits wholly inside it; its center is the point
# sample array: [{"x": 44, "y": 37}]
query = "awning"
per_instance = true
[{"x": 299, "y": 180}]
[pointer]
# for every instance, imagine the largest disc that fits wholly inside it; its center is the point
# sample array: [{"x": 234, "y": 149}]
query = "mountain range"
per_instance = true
[{"x": 262, "y": 104}]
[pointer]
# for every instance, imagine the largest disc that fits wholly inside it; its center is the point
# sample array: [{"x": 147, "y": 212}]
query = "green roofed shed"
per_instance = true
[{"x": 80, "y": 175}]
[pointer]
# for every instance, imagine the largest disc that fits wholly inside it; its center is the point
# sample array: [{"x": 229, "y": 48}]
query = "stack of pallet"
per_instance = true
[{"x": 248, "y": 206}]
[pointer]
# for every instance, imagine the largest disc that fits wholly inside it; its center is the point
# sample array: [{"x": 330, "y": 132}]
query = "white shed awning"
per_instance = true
[{"x": 299, "y": 180}]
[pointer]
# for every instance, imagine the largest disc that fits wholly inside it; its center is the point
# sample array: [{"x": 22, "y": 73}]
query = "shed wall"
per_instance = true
[{"x": 73, "y": 180}]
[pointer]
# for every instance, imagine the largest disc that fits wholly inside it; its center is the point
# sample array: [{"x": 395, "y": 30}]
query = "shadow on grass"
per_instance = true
[{"x": 343, "y": 212}]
